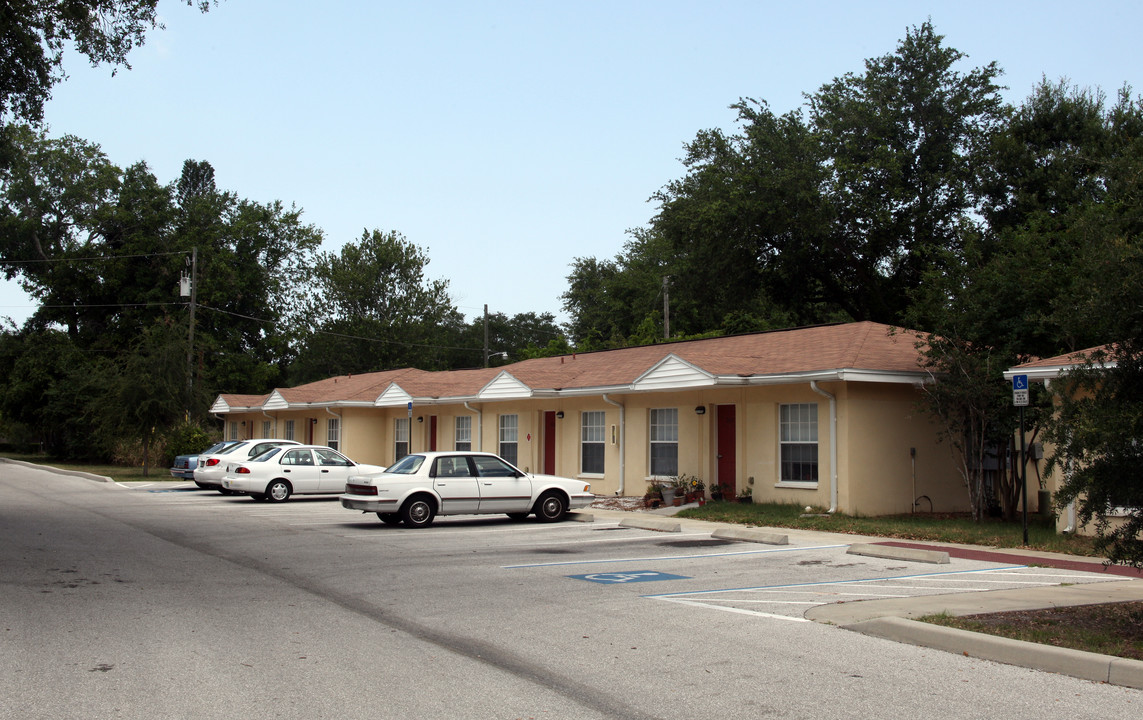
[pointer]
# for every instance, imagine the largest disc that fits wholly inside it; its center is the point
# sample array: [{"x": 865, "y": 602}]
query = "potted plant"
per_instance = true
[
  {"x": 667, "y": 490},
  {"x": 654, "y": 496},
  {"x": 747, "y": 495}
]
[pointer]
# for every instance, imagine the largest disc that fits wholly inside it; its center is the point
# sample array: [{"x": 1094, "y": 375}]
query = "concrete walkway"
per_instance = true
[{"x": 891, "y": 618}]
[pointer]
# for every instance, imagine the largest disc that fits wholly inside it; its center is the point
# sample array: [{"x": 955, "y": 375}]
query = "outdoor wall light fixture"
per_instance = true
[
  {"x": 420, "y": 418},
  {"x": 700, "y": 410},
  {"x": 560, "y": 415}
]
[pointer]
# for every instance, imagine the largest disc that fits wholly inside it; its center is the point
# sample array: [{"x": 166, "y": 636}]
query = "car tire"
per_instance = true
[
  {"x": 518, "y": 516},
  {"x": 551, "y": 507},
  {"x": 278, "y": 491},
  {"x": 418, "y": 511},
  {"x": 389, "y": 518}
]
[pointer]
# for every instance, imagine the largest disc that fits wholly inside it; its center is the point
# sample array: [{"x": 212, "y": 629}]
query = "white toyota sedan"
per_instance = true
[
  {"x": 212, "y": 466},
  {"x": 280, "y": 472},
  {"x": 421, "y": 486}
]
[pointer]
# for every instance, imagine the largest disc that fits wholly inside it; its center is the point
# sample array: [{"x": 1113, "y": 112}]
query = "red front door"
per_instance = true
[
  {"x": 432, "y": 433},
  {"x": 726, "y": 427},
  {"x": 549, "y": 443}
]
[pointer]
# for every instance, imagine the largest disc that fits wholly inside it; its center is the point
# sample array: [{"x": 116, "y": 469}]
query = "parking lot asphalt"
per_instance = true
[{"x": 892, "y": 618}]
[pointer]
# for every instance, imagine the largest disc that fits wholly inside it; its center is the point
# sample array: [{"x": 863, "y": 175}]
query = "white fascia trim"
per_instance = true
[
  {"x": 1040, "y": 374},
  {"x": 219, "y": 406},
  {"x": 840, "y": 375}
]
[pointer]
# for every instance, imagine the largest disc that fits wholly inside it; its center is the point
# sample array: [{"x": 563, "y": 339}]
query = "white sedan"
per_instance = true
[
  {"x": 212, "y": 466},
  {"x": 280, "y": 472},
  {"x": 421, "y": 486}
]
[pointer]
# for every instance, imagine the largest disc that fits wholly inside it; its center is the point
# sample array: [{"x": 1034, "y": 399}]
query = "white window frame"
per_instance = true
[
  {"x": 798, "y": 450},
  {"x": 333, "y": 432},
  {"x": 400, "y": 438},
  {"x": 462, "y": 437},
  {"x": 266, "y": 429},
  {"x": 233, "y": 429},
  {"x": 288, "y": 433},
  {"x": 663, "y": 436},
  {"x": 593, "y": 437},
  {"x": 509, "y": 438}
]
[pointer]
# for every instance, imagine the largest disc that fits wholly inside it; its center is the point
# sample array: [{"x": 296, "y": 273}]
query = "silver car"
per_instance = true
[{"x": 212, "y": 468}]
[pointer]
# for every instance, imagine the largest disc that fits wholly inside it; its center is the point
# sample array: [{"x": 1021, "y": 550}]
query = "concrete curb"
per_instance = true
[
  {"x": 651, "y": 523},
  {"x": 889, "y": 552},
  {"x": 756, "y": 536},
  {"x": 1075, "y": 663},
  {"x": 59, "y": 471}
]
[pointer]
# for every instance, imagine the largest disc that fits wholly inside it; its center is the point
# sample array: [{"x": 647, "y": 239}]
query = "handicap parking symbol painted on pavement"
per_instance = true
[{"x": 618, "y": 578}]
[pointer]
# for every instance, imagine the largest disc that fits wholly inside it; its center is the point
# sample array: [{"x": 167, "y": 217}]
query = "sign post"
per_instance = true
[{"x": 1020, "y": 400}]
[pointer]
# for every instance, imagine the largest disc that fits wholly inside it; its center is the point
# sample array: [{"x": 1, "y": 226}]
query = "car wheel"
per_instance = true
[
  {"x": 551, "y": 507},
  {"x": 278, "y": 491},
  {"x": 389, "y": 518},
  {"x": 418, "y": 511},
  {"x": 518, "y": 516}
]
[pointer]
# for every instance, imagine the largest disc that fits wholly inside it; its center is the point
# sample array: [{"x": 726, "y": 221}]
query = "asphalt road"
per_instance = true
[{"x": 162, "y": 602}]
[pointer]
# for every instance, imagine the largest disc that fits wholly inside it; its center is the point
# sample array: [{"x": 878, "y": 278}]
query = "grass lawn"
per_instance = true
[
  {"x": 118, "y": 473},
  {"x": 951, "y": 528}
]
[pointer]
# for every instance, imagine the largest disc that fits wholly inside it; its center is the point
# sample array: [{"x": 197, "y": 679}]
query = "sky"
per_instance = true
[{"x": 508, "y": 138}]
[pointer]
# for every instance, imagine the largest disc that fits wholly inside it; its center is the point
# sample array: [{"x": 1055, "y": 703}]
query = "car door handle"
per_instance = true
[{"x": 325, "y": 471}]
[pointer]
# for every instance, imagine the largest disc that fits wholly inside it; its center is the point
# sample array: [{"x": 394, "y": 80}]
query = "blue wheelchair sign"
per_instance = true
[{"x": 622, "y": 578}]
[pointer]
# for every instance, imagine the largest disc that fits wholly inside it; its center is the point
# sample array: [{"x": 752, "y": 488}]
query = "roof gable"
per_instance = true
[
  {"x": 505, "y": 387},
  {"x": 672, "y": 373}
]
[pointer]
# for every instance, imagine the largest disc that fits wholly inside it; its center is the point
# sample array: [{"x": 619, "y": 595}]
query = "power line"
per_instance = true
[{"x": 93, "y": 259}]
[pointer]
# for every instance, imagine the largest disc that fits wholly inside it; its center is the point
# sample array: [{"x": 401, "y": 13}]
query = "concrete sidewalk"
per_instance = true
[{"x": 891, "y": 618}]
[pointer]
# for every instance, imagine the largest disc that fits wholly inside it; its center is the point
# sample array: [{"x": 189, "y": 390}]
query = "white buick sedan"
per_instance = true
[
  {"x": 280, "y": 472},
  {"x": 419, "y": 487}
]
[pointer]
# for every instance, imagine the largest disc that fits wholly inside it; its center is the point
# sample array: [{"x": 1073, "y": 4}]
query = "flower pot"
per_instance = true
[{"x": 668, "y": 495}]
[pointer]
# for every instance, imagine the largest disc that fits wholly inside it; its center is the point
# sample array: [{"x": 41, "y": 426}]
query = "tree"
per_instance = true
[
  {"x": 34, "y": 34},
  {"x": 903, "y": 142},
  {"x": 370, "y": 307}
]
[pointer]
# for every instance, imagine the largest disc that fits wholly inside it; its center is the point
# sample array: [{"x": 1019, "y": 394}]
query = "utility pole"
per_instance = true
[
  {"x": 192, "y": 291},
  {"x": 486, "y": 335},
  {"x": 666, "y": 307}
]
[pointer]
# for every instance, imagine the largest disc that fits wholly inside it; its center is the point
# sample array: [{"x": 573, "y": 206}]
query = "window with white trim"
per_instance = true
[
  {"x": 233, "y": 430},
  {"x": 509, "y": 437},
  {"x": 798, "y": 442},
  {"x": 400, "y": 438},
  {"x": 592, "y": 435},
  {"x": 333, "y": 432},
  {"x": 288, "y": 434},
  {"x": 463, "y": 437},
  {"x": 664, "y": 442},
  {"x": 266, "y": 429}
]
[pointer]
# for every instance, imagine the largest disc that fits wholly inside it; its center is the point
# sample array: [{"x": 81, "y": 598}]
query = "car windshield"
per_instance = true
[
  {"x": 406, "y": 465},
  {"x": 266, "y": 455}
]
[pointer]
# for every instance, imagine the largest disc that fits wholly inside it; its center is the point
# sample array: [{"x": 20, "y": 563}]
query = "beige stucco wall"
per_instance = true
[{"x": 878, "y": 423}]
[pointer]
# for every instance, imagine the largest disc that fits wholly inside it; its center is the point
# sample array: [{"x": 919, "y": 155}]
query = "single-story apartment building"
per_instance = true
[{"x": 825, "y": 416}]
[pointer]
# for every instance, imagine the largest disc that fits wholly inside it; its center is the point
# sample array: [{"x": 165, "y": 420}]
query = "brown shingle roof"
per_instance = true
[{"x": 864, "y": 346}]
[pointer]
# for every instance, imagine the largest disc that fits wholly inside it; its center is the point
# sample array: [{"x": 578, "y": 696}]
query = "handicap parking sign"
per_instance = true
[{"x": 621, "y": 578}]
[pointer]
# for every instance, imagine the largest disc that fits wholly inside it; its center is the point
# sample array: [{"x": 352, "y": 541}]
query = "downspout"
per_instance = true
[
  {"x": 622, "y": 454},
  {"x": 479, "y": 425},
  {"x": 832, "y": 445}
]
